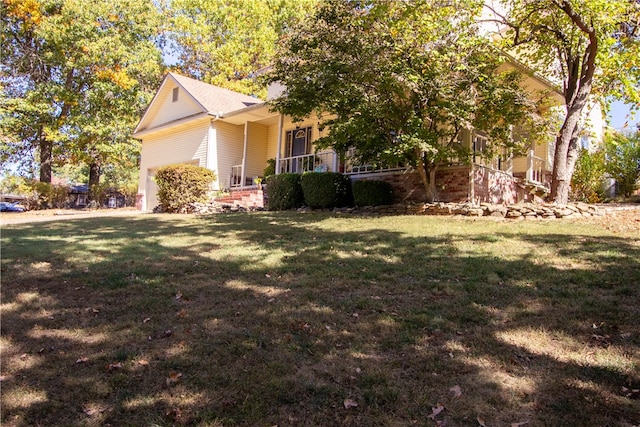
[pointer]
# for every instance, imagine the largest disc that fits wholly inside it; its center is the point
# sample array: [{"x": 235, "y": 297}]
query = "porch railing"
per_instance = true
[
  {"x": 325, "y": 161},
  {"x": 535, "y": 168}
]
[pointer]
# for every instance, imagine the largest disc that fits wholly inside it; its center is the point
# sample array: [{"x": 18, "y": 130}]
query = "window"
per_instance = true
[{"x": 175, "y": 94}]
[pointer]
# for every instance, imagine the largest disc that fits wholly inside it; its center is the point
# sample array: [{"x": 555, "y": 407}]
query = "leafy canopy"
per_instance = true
[
  {"x": 75, "y": 79},
  {"x": 224, "y": 42},
  {"x": 590, "y": 47},
  {"x": 400, "y": 81}
]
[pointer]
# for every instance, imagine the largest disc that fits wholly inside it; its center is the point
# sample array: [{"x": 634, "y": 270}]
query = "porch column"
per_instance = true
[
  {"x": 212, "y": 155},
  {"x": 243, "y": 176},
  {"x": 280, "y": 125}
]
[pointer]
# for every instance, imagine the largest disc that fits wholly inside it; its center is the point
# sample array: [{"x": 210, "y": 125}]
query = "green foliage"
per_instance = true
[
  {"x": 284, "y": 192},
  {"x": 324, "y": 190},
  {"x": 571, "y": 40},
  {"x": 587, "y": 183},
  {"x": 181, "y": 185},
  {"x": 224, "y": 42},
  {"x": 623, "y": 161},
  {"x": 372, "y": 193},
  {"x": 389, "y": 97},
  {"x": 78, "y": 79},
  {"x": 270, "y": 169},
  {"x": 48, "y": 196}
]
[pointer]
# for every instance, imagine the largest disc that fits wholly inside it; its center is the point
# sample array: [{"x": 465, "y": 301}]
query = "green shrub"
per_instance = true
[
  {"x": 587, "y": 183},
  {"x": 48, "y": 196},
  {"x": 284, "y": 192},
  {"x": 181, "y": 185},
  {"x": 270, "y": 169},
  {"x": 623, "y": 161},
  {"x": 372, "y": 193},
  {"x": 326, "y": 190}
]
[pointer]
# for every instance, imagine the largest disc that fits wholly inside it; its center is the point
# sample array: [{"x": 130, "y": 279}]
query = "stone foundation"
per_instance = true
[{"x": 453, "y": 184}]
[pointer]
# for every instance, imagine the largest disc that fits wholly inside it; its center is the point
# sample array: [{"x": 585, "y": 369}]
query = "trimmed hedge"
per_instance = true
[
  {"x": 372, "y": 193},
  {"x": 181, "y": 185},
  {"x": 284, "y": 192},
  {"x": 326, "y": 190}
]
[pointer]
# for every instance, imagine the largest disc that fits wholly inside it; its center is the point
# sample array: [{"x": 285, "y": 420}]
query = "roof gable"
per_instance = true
[{"x": 181, "y": 97}]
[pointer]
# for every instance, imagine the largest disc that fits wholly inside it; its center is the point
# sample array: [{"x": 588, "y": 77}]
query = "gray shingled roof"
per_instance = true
[{"x": 213, "y": 98}]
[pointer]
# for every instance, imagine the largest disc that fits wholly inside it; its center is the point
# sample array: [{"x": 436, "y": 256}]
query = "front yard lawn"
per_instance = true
[{"x": 314, "y": 320}]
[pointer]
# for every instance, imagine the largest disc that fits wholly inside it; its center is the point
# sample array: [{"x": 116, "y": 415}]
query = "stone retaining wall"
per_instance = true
[{"x": 517, "y": 211}]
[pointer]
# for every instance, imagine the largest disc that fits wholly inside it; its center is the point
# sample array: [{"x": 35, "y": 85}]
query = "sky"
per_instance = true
[{"x": 619, "y": 115}]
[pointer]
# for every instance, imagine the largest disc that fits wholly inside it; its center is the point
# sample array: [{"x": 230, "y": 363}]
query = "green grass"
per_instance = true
[{"x": 276, "y": 318}]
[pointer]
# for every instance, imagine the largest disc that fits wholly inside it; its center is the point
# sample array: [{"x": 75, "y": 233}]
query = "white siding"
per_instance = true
[
  {"x": 186, "y": 145},
  {"x": 229, "y": 147},
  {"x": 256, "y": 150},
  {"x": 165, "y": 110}
]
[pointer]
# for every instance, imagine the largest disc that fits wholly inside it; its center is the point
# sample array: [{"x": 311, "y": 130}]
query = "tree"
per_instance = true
[
  {"x": 76, "y": 79},
  {"x": 224, "y": 42},
  {"x": 400, "y": 81},
  {"x": 591, "y": 46},
  {"x": 623, "y": 160}
]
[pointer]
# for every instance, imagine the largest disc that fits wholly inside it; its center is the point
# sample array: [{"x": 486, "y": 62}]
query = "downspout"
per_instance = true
[
  {"x": 278, "y": 153},
  {"x": 244, "y": 155}
]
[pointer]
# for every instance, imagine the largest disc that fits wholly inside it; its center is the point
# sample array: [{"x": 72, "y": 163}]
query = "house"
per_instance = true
[
  {"x": 235, "y": 135},
  {"x": 78, "y": 197}
]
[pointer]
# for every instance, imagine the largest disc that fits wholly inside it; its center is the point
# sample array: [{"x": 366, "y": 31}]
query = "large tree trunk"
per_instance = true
[
  {"x": 94, "y": 181},
  {"x": 427, "y": 176},
  {"x": 577, "y": 87},
  {"x": 46, "y": 158}
]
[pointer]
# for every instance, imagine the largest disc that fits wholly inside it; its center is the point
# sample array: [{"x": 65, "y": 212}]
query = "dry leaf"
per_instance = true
[
  {"x": 179, "y": 295},
  {"x": 457, "y": 391},
  {"x": 95, "y": 310},
  {"x": 114, "y": 366},
  {"x": 350, "y": 403},
  {"x": 481, "y": 421},
  {"x": 521, "y": 423},
  {"x": 173, "y": 377},
  {"x": 143, "y": 362},
  {"x": 82, "y": 360},
  {"x": 436, "y": 410},
  {"x": 146, "y": 319}
]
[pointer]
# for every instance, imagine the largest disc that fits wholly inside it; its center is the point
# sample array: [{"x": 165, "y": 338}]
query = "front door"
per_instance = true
[{"x": 298, "y": 141}]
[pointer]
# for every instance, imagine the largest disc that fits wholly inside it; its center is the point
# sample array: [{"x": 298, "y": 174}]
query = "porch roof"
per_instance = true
[{"x": 255, "y": 113}]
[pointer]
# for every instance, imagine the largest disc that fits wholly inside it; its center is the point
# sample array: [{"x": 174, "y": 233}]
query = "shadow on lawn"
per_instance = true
[{"x": 167, "y": 321}]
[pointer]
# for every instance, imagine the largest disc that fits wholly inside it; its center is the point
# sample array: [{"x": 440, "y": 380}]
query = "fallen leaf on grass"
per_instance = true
[
  {"x": 436, "y": 410},
  {"x": 173, "y": 377},
  {"x": 457, "y": 391},
  {"x": 82, "y": 360},
  {"x": 146, "y": 319},
  {"x": 93, "y": 411},
  {"x": 350, "y": 403},
  {"x": 114, "y": 366},
  {"x": 481, "y": 421},
  {"x": 179, "y": 295},
  {"x": 143, "y": 362},
  {"x": 521, "y": 423}
]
